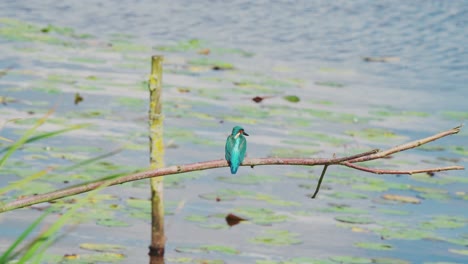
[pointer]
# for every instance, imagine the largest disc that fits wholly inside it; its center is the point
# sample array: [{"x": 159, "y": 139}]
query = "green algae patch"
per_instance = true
[{"x": 277, "y": 238}]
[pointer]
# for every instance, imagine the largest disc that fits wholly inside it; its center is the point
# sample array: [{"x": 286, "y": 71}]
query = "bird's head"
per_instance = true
[{"x": 237, "y": 131}]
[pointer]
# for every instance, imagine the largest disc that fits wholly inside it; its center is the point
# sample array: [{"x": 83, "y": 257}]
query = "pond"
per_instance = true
[{"x": 329, "y": 79}]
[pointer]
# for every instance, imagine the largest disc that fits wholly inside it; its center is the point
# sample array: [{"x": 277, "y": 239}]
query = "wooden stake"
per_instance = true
[{"x": 158, "y": 238}]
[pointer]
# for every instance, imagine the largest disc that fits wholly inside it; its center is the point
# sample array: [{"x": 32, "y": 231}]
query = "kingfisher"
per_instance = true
[{"x": 236, "y": 145}]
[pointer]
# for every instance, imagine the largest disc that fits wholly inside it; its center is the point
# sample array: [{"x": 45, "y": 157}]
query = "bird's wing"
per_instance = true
[
  {"x": 229, "y": 144},
  {"x": 242, "y": 149}
]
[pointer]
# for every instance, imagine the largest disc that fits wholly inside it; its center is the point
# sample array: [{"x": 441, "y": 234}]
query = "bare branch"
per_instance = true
[
  {"x": 409, "y": 172},
  {"x": 344, "y": 161}
]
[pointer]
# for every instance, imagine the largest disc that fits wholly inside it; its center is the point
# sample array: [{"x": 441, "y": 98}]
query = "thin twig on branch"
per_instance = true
[
  {"x": 407, "y": 146},
  {"x": 344, "y": 161}
]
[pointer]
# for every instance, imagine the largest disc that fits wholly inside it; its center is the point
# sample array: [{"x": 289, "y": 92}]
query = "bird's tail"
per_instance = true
[{"x": 234, "y": 168}]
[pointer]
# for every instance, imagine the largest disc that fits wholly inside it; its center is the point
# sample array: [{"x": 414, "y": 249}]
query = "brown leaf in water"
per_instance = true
[
  {"x": 233, "y": 220},
  {"x": 401, "y": 198},
  {"x": 259, "y": 99},
  {"x": 78, "y": 98},
  {"x": 204, "y": 51}
]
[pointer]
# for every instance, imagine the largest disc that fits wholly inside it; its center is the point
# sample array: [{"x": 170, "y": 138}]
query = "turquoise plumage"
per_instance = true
[{"x": 236, "y": 146}]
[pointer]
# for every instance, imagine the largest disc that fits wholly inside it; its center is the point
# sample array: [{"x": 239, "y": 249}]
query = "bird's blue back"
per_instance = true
[{"x": 235, "y": 151}]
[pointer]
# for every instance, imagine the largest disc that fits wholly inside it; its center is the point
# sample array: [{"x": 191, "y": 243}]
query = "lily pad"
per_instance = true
[
  {"x": 374, "y": 134},
  {"x": 459, "y": 251},
  {"x": 330, "y": 84},
  {"x": 277, "y": 238},
  {"x": 401, "y": 198},
  {"x": 443, "y": 221},
  {"x": 208, "y": 248},
  {"x": 292, "y": 98},
  {"x": 107, "y": 257},
  {"x": 343, "y": 208},
  {"x": 374, "y": 246},
  {"x": 260, "y": 216},
  {"x": 102, "y": 247},
  {"x": 354, "y": 219},
  {"x": 456, "y": 115},
  {"x": 110, "y": 222},
  {"x": 351, "y": 260}
]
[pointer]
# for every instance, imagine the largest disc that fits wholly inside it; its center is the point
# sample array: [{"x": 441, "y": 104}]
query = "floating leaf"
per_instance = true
[
  {"x": 111, "y": 222},
  {"x": 402, "y": 233},
  {"x": 348, "y": 195},
  {"x": 232, "y": 219},
  {"x": 196, "y": 218},
  {"x": 102, "y": 247},
  {"x": 443, "y": 221},
  {"x": 260, "y": 216},
  {"x": 78, "y": 98},
  {"x": 374, "y": 134},
  {"x": 192, "y": 44},
  {"x": 459, "y": 251},
  {"x": 401, "y": 198},
  {"x": 381, "y": 59},
  {"x": 291, "y": 98},
  {"x": 354, "y": 219},
  {"x": 374, "y": 246},
  {"x": 208, "y": 248},
  {"x": 277, "y": 238},
  {"x": 456, "y": 115},
  {"x": 351, "y": 260},
  {"x": 342, "y": 208},
  {"x": 215, "y": 65},
  {"x": 93, "y": 258},
  {"x": 330, "y": 84}
]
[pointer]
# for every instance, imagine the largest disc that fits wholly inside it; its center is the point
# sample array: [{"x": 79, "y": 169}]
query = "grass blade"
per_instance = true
[{"x": 5, "y": 256}]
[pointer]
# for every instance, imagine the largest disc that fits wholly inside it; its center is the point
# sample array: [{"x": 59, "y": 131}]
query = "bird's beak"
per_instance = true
[{"x": 245, "y": 134}]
